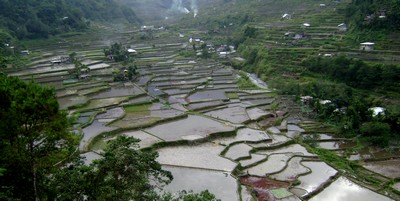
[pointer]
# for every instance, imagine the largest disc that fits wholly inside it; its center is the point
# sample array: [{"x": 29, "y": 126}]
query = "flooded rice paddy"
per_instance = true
[
  {"x": 220, "y": 183},
  {"x": 190, "y": 128},
  {"x": 238, "y": 144},
  {"x": 344, "y": 189}
]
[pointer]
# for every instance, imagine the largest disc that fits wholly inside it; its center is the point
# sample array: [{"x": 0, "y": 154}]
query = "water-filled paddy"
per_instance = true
[
  {"x": 320, "y": 174},
  {"x": 292, "y": 171},
  {"x": 93, "y": 130},
  {"x": 89, "y": 157},
  {"x": 336, "y": 145},
  {"x": 146, "y": 140},
  {"x": 344, "y": 189},
  {"x": 68, "y": 101},
  {"x": 256, "y": 113},
  {"x": 174, "y": 80},
  {"x": 320, "y": 136},
  {"x": 388, "y": 168},
  {"x": 221, "y": 184},
  {"x": 117, "y": 92},
  {"x": 259, "y": 102},
  {"x": 102, "y": 103},
  {"x": 276, "y": 140},
  {"x": 192, "y": 127},
  {"x": 254, "y": 159},
  {"x": 232, "y": 114},
  {"x": 138, "y": 100},
  {"x": 208, "y": 95},
  {"x": 295, "y": 149},
  {"x": 205, "y": 156},
  {"x": 178, "y": 99},
  {"x": 98, "y": 66},
  {"x": 112, "y": 113},
  {"x": 238, "y": 151},
  {"x": 273, "y": 130},
  {"x": 207, "y": 104},
  {"x": 274, "y": 164},
  {"x": 292, "y": 127},
  {"x": 262, "y": 186},
  {"x": 245, "y": 135}
]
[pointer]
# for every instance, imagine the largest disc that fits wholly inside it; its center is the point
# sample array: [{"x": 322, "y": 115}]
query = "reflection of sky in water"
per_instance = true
[
  {"x": 221, "y": 184},
  {"x": 343, "y": 189}
]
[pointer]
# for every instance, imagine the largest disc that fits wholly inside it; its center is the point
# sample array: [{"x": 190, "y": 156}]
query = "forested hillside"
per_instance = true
[
  {"x": 41, "y": 18},
  {"x": 374, "y": 14}
]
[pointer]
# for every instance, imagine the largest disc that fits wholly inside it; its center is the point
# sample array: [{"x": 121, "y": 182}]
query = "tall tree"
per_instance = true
[
  {"x": 33, "y": 136},
  {"x": 123, "y": 173},
  {"x": 126, "y": 171}
]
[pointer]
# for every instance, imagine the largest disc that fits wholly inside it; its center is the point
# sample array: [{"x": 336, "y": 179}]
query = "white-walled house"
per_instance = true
[
  {"x": 286, "y": 16},
  {"x": 367, "y": 46}
]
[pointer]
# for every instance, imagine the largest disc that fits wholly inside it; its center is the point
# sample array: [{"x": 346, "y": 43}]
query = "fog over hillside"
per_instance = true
[{"x": 153, "y": 10}]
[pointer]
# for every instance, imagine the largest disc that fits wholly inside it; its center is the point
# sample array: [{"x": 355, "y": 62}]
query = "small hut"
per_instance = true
[
  {"x": 342, "y": 27},
  {"x": 286, "y": 16},
  {"x": 367, "y": 46}
]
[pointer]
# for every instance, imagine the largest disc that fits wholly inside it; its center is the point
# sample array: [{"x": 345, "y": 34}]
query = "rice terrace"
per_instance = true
[{"x": 234, "y": 97}]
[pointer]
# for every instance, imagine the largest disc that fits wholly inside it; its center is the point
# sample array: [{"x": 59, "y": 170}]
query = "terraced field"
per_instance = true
[{"x": 239, "y": 144}]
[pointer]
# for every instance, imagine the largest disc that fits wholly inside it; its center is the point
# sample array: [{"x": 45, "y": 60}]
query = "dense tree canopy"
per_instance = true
[
  {"x": 40, "y": 18},
  {"x": 374, "y": 14},
  {"x": 34, "y": 136},
  {"x": 123, "y": 173},
  {"x": 356, "y": 73},
  {"x": 39, "y": 158}
]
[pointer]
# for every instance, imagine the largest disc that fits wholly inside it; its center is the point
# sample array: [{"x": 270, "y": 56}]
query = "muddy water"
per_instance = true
[
  {"x": 344, "y": 189},
  {"x": 221, "y": 184},
  {"x": 263, "y": 186},
  {"x": 389, "y": 168}
]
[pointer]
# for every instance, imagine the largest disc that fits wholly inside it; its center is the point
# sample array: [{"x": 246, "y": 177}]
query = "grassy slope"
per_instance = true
[{"x": 279, "y": 56}]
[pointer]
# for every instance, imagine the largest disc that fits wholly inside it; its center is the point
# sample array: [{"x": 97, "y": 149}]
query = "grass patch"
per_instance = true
[
  {"x": 244, "y": 81},
  {"x": 336, "y": 161},
  {"x": 137, "y": 108},
  {"x": 101, "y": 103},
  {"x": 92, "y": 90},
  {"x": 99, "y": 145},
  {"x": 231, "y": 95}
]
